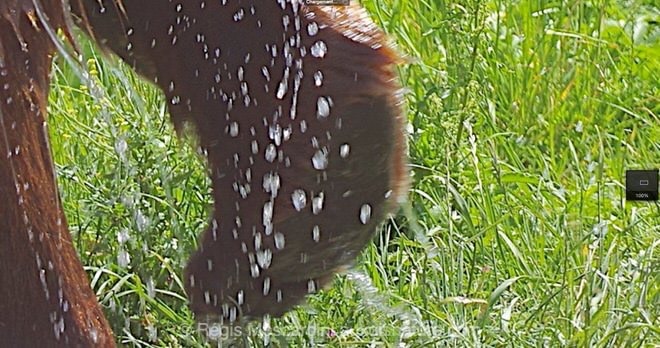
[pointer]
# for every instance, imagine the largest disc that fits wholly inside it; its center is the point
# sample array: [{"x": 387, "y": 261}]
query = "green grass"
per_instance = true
[{"x": 523, "y": 117}]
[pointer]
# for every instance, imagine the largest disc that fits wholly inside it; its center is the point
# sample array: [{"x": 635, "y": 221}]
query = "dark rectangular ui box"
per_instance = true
[{"x": 642, "y": 185}]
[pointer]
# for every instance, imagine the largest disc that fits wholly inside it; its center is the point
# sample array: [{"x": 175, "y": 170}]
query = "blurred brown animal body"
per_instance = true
[{"x": 297, "y": 108}]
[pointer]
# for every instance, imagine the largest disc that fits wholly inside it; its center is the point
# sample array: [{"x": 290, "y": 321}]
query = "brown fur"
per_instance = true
[
  {"x": 45, "y": 298},
  {"x": 248, "y": 265}
]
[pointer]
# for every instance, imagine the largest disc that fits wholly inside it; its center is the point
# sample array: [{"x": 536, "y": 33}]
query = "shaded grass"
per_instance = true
[{"x": 523, "y": 118}]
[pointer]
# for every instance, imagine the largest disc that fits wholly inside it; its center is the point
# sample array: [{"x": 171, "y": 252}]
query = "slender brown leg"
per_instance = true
[{"x": 45, "y": 298}]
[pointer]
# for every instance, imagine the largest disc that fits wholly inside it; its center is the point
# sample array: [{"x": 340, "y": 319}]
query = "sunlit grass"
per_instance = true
[{"x": 523, "y": 118}]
